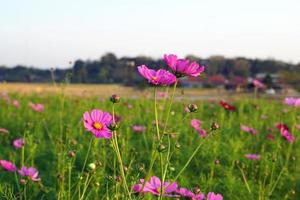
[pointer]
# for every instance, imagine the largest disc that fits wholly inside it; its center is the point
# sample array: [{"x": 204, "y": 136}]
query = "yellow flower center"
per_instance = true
[
  {"x": 154, "y": 78},
  {"x": 98, "y": 125}
]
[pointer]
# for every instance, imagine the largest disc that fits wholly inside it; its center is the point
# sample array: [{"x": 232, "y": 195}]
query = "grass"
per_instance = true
[{"x": 52, "y": 134}]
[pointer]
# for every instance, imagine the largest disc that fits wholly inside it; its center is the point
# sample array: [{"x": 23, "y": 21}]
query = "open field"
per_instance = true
[
  {"x": 73, "y": 164},
  {"x": 105, "y": 90}
]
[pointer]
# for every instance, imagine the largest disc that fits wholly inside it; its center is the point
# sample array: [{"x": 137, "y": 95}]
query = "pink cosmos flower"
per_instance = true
[
  {"x": 8, "y": 166},
  {"x": 213, "y": 196},
  {"x": 16, "y": 103},
  {"x": 159, "y": 77},
  {"x": 4, "y": 131},
  {"x": 154, "y": 187},
  {"x": 280, "y": 126},
  {"x": 284, "y": 130},
  {"x": 292, "y": 101},
  {"x": 286, "y": 134},
  {"x": 138, "y": 128},
  {"x": 189, "y": 194},
  {"x": 196, "y": 124},
  {"x": 98, "y": 123},
  {"x": 183, "y": 67},
  {"x": 162, "y": 94},
  {"x": 36, "y": 107},
  {"x": 18, "y": 143},
  {"x": 248, "y": 129},
  {"x": 258, "y": 84},
  {"x": 253, "y": 156},
  {"x": 30, "y": 172}
]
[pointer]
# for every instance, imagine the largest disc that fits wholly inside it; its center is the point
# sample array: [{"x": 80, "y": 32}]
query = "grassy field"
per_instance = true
[{"x": 218, "y": 166}]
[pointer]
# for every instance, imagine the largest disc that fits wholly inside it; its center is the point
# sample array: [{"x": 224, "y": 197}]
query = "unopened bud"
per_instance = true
[
  {"x": 118, "y": 179},
  {"x": 115, "y": 98},
  {"x": 177, "y": 145},
  {"x": 92, "y": 166},
  {"x": 214, "y": 126},
  {"x": 113, "y": 126},
  {"x": 72, "y": 154},
  {"x": 142, "y": 168},
  {"x": 192, "y": 107},
  {"x": 22, "y": 181},
  {"x": 125, "y": 169},
  {"x": 217, "y": 162},
  {"x": 197, "y": 190},
  {"x": 161, "y": 148},
  {"x": 172, "y": 169}
]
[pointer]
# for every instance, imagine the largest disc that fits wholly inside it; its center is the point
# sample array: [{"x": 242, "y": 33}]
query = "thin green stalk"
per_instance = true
[
  {"x": 164, "y": 172},
  {"x": 69, "y": 180},
  {"x": 83, "y": 167},
  {"x": 87, "y": 155},
  {"x": 170, "y": 107},
  {"x": 168, "y": 159},
  {"x": 245, "y": 179},
  {"x": 18, "y": 185},
  {"x": 156, "y": 115},
  {"x": 117, "y": 151},
  {"x": 188, "y": 161},
  {"x": 152, "y": 161},
  {"x": 25, "y": 195},
  {"x": 277, "y": 180},
  {"x": 86, "y": 185}
]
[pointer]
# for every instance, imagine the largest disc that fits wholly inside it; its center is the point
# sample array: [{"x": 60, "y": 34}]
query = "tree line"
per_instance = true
[{"x": 111, "y": 69}]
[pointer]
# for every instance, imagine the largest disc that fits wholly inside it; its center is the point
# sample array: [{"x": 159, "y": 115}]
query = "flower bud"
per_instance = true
[
  {"x": 23, "y": 181},
  {"x": 99, "y": 164},
  {"x": 118, "y": 179},
  {"x": 115, "y": 98},
  {"x": 72, "y": 154},
  {"x": 197, "y": 190},
  {"x": 73, "y": 142},
  {"x": 172, "y": 169},
  {"x": 214, "y": 126},
  {"x": 177, "y": 145},
  {"x": 192, "y": 107},
  {"x": 161, "y": 148},
  {"x": 217, "y": 162},
  {"x": 125, "y": 169},
  {"x": 92, "y": 166},
  {"x": 142, "y": 168},
  {"x": 293, "y": 192},
  {"x": 113, "y": 127},
  {"x": 110, "y": 178}
]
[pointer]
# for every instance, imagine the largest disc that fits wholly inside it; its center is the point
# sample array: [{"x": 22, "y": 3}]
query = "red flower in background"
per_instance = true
[{"x": 227, "y": 106}]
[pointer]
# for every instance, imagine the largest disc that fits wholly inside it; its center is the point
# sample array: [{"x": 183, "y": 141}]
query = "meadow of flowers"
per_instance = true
[{"x": 154, "y": 147}]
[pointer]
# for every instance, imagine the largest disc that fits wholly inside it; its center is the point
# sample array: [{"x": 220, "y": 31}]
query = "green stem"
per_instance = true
[
  {"x": 86, "y": 156},
  {"x": 18, "y": 185},
  {"x": 276, "y": 182},
  {"x": 25, "y": 196},
  {"x": 188, "y": 161},
  {"x": 69, "y": 180},
  {"x": 156, "y": 115},
  {"x": 170, "y": 106},
  {"x": 117, "y": 151},
  {"x": 86, "y": 185},
  {"x": 245, "y": 179}
]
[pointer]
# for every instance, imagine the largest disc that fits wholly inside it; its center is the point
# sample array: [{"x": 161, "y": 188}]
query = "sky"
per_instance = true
[{"x": 50, "y": 33}]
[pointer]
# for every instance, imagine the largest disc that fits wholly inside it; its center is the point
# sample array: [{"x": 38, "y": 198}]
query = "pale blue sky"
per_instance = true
[{"x": 50, "y": 33}]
